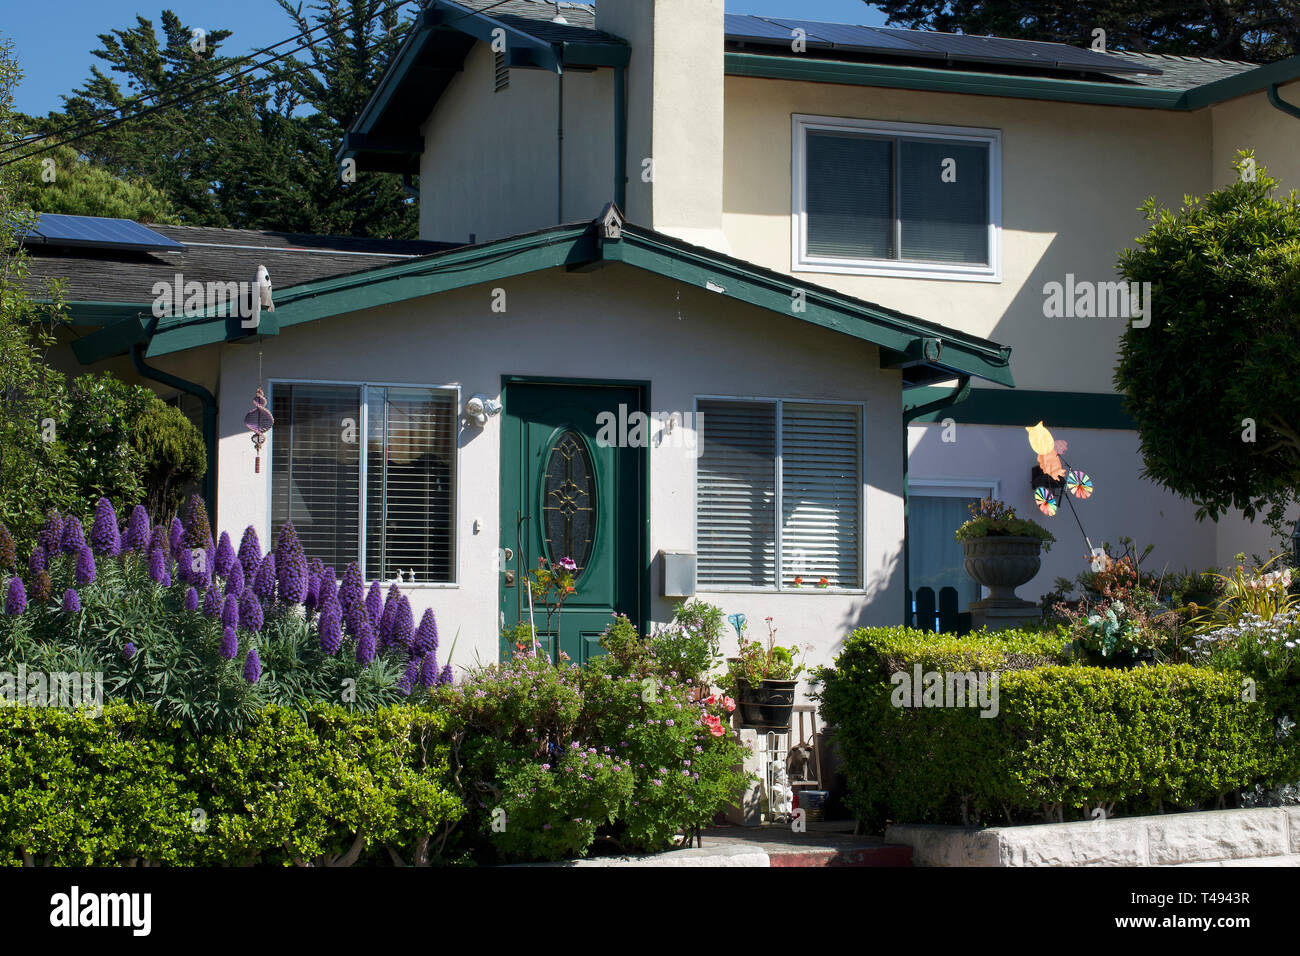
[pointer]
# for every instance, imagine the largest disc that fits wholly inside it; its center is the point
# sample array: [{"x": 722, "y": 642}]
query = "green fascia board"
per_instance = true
[
  {"x": 949, "y": 81},
  {"x": 85, "y": 312},
  {"x": 112, "y": 340},
  {"x": 595, "y": 54},
  {"x": 1025, "y": 407},
  {"x": 576, "y": 244},
  {"x": 481, "y": 26},
  {"x": 1243, "y": 84}
]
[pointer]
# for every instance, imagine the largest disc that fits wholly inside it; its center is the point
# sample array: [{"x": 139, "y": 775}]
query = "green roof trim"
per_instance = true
[
  {"x": 901, "y": 337},
  {"x": 1097, "y": 92},
  {"x": 113, "y": 340},
  {"x": 1025, "y": 407}
]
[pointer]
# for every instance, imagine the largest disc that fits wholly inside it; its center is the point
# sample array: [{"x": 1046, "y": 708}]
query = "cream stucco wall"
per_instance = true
[
  {"x": 490, "y": 159},
  {"x": 1072, "y": 179},
  {"x": 1251, "y": 122},
  {"x": 617, "y": 323}
]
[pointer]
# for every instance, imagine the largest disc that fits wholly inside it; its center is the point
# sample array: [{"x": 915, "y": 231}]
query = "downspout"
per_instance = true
[
  {"x": 1278, "y": 103},
  {"x": 620, "y": 137},
  {"x": 209, "y": 417},
  {"x": 559, "y": 151},
  {"x": 959, "y": 394}
]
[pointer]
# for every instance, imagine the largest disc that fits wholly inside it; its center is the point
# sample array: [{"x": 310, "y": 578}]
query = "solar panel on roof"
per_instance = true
[
  {"x": 957, "y": 47},
  {"x": 93, "y": 231}
]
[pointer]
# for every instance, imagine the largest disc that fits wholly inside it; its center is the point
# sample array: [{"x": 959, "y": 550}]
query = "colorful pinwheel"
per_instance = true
[
  {"x": 1046, "y": 501},
  {"x": 1079, "y": 484}
]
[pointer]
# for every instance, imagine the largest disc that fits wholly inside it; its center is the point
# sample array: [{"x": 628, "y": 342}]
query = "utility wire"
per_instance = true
[{"x": 190, "y": 94}]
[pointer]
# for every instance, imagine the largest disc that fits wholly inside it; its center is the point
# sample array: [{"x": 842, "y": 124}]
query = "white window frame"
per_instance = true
[
  {"x": 781, "y": 588},
  {"x": 363, "y": 438},
  {"x": 902, "y": 268}
]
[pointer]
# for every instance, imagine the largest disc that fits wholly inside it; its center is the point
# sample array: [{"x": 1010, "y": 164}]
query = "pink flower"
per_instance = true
[{"x": 728, "y": 703}]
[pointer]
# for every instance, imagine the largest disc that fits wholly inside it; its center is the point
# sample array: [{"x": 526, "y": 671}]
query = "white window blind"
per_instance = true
[
  {"x": 814, "y": 471},
  {"x": 315, "y": 472},
  {"x": 408, "y": 436},
  {"x": 736, "y": 495},
  {"x": 821, "y": 491}
]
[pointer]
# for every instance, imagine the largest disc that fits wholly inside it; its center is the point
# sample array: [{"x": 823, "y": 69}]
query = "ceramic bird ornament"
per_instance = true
[{"x": 261, "y": 297}]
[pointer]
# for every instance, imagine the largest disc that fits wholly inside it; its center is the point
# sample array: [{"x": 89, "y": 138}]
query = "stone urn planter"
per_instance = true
[{"x": 1002, "y": 563}]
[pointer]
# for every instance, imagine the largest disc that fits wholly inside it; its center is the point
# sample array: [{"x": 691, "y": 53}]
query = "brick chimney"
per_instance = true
[{"x": 674, "y": 114}]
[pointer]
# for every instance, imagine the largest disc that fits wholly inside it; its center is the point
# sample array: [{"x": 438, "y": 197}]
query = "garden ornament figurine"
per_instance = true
[{"x": 259, "y": 421}]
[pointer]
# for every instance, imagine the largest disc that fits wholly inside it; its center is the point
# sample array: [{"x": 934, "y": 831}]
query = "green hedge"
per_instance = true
[
  {"x": 328, "y": 787},
  {"x": 1066, "y": 738}
]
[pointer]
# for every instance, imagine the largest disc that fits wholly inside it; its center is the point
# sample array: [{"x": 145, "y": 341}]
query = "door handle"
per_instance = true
[{"x": 510, "y": 579}]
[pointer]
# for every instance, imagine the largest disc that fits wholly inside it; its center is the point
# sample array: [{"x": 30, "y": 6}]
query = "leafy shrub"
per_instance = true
[
  {"x": 1065, "y": 738},
  {"x": 328, "y": 788},
  {"x": 1265, "y": 649},
  {"x": 993, "y": 519},
  {"x": 153, "y": 621},
  {"x": 173, "y": 456},
  {"x": 690, "y": 643}
]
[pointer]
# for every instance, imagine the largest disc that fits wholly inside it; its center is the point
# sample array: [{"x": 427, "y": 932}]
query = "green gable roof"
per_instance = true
[{"x": 925, "y": 351}]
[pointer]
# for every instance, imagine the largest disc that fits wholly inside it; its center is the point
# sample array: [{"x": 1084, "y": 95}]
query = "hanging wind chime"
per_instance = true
[
  {"x": 259, "y": 421},
  {"x": 1055, "y": 481}
]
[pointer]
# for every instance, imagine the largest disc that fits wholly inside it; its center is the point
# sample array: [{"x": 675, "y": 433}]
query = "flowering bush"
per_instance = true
[
  {"x": 172, "y": 620},
  {"x": 1266, "y": 649}
]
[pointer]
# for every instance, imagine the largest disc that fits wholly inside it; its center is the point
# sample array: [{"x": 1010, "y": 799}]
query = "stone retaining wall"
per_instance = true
[{"x": 1263, "y": 837}]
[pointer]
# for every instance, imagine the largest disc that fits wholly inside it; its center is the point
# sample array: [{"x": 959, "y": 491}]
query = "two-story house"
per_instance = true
[{"x": 725, "y": 276}]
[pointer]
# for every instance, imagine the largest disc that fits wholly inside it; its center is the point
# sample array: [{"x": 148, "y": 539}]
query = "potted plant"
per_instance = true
[
  {"x": 1001, "y": 552},
  {"x": 763, "y": 682}
]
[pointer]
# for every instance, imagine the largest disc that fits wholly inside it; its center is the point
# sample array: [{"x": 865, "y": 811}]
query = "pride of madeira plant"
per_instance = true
[{"x": 202, "y": 633}]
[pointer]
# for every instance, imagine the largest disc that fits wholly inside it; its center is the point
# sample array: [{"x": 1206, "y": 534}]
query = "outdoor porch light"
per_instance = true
[{"x": 479, "y": 408}]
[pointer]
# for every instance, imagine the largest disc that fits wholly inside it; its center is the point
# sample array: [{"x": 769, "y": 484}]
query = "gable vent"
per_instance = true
[{"x": 502, "y": 74}]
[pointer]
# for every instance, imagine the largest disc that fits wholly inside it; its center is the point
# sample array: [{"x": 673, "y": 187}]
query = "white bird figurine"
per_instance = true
[{"x": 261, "y": 297}]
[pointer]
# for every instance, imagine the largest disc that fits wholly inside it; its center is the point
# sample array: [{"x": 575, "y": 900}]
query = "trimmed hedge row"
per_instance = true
[
  {"x": 328, "y": 787},
  {"x": 1065, "y": 738}
]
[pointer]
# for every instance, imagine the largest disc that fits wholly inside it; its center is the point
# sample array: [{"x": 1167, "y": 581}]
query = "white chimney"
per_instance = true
[{"x": 675, "y": 114}]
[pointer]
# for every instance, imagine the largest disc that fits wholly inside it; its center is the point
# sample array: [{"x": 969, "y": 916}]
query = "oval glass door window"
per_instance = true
[{"x": 569, "y": 501}]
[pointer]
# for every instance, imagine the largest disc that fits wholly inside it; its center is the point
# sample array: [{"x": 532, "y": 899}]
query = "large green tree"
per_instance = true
[
  {"x": 1214, "y": 381},
  {"x": 1257, "y": 30},
  {"x": 245, "y": 143}
]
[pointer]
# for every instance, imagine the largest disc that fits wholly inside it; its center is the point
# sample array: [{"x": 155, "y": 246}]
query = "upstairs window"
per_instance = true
[{"x": 896, "y": 199}]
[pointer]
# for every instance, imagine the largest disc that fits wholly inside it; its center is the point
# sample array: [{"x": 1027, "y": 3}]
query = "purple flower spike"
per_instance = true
[
  {"x": 16, "y": 598},
  {"x": 264, "y": 580},
  {"x": 293, "y": 575},
  {"x": 252, "y": 667},
  {"x": 8, "y": 551},
  {"x": 365, "y": 643},
  {"x": 51, "y": 534},
  {"x": 158, "y": 539},
  {"x": 128, "y": 650},
  {"x": 429, "y": 670},
  {"x": 403, "y": 624},
  {"x": 211, "y": 602},
  {"x": 250, "y": 610},
  {"x": 74, "y": 538},
  {"x": 426, "y": 635},
  {"x": 37, "y": 562},
  {"x": 137, "y": 529},
  {"x": 176, "y": 539},
  {"x": 158, "y": 568},
  {"x": 331, "y": 631},
  {"x": 191, "y": 600},
  {"x": 85, "y": 566},
  {"x": 315, "y": 572},
  {"x": 375, "y": 604},
  {"x": 71, "y": 602},
  {"x": 407, "y": 682},
  {"x": 250, "y": 553},
  {"x": 104, "y": 536},
  {"x": 353, "y": 589},
  {"x": 225, "y": 555},
  {"x": 445, "y": 678},
  {"x": 235, "y": 579},
  {"x": 229, "y": 643},
  {"x": 230, "y": 611}
]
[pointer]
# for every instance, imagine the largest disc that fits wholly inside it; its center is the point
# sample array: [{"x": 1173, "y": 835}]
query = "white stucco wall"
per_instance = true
[
  {"x": 1251, "y": 122},
  {"x": 1124, "y": 503},
  {"x": 617, "y": 323},
  {"x": 1073, "y": 176},
  {"x": 490, "y": 158}
]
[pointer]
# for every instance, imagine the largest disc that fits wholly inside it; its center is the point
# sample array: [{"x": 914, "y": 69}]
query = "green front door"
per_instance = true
[{"x": 564, "y": 495}]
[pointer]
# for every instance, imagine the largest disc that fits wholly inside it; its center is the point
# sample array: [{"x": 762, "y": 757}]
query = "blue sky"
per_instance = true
[{"x": 53, "y": 45}]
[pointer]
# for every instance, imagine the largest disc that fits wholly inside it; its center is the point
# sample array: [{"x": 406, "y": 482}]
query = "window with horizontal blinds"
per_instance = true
[
  {"x": 821, "y": 494},
  {"x": 849, "y": 196},
  {"x": 735, "y": 490},
  {"x": 755, "y": 453},
  {"x": 943, "y": 218},
  {"x": 409, "y": 439},
  {"x": 410, "y": 478},
  {"x": 316, "y": 470}
]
